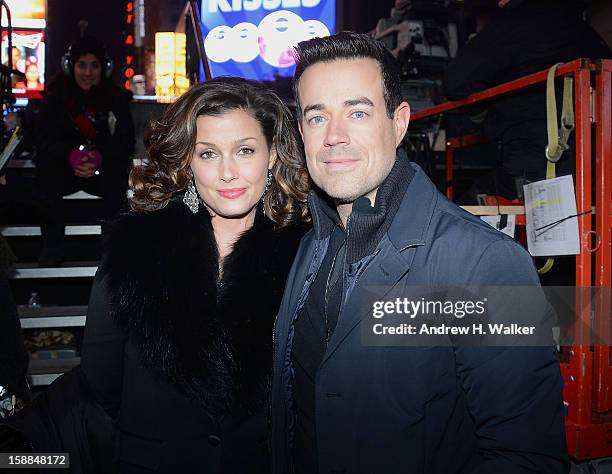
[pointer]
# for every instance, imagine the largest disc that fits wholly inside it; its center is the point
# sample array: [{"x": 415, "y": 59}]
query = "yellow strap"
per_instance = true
[
  {"x": 547, "y": 266},
  {"x": 551, "y": 171},
  {"x": 551, "y": 117},
  {"x": 557, "y": 136}
]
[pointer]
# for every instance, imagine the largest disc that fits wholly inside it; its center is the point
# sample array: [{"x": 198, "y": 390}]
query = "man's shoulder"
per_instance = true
[
  {"x": 450, "y": 219},
  {"x": 463, "y": 241}
]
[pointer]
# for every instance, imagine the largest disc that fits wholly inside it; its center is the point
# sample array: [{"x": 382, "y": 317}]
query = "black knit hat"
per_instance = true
[{"x": 87, "y": 45}]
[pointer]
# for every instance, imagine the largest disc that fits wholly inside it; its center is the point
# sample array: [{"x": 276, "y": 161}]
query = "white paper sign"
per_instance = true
[{"x": 548, "y": 204}]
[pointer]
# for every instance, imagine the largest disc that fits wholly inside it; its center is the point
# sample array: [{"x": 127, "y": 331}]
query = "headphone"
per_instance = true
[{"x": 67, "y": 63}]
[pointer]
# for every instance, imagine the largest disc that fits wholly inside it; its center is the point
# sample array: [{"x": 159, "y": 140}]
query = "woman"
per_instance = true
[
  {"x": 85, "y": 138},
  {"x": 178, "y": 341}
]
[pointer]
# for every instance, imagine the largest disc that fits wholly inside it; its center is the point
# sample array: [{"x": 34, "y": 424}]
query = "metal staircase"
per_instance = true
[{"x": 72, "y": 278}]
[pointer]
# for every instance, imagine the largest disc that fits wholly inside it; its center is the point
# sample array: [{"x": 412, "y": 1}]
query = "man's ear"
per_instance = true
[{"x": 401, "y": 118}]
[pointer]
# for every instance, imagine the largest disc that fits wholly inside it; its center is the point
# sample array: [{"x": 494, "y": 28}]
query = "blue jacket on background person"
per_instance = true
[{"x": 421, "y": 409}]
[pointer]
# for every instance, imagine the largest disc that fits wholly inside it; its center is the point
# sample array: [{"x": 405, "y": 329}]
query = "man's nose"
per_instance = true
[{"x": 336, "y": 133}]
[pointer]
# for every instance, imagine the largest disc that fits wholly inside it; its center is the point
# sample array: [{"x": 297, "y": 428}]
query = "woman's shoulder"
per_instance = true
[
  {"x": 142, "y": 249},
  {"x": 152, "y": 232}
]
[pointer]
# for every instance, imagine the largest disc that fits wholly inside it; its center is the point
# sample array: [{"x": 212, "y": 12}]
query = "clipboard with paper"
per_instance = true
[{"x": 551, "y": 218}]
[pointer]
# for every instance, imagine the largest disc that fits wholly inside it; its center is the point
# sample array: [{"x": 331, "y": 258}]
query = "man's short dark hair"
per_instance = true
[{"x": 348, "y": 45}]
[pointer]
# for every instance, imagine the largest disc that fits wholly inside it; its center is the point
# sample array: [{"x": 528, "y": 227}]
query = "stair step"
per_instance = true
[
  {"x": 14, "y": 163},
  {"x": 67, "y": 270},
  {"x": 44, "y": 371},
  {"x": 33, "y": 231},
  {"x": 52, "y": 316},
  {"x": 80, "y": 195}
]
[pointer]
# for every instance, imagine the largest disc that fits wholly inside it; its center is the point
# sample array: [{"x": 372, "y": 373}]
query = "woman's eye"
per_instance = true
[
  {"x": 360, "y": 114},
  {"x": 207, "y": 155},
  {"x": 246, "y": 151}
]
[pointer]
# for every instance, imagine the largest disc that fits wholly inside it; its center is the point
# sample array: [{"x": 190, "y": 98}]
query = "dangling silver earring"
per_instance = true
[
  {"x": 268, "y": 184},
  {"x": 191, "y": 198}
]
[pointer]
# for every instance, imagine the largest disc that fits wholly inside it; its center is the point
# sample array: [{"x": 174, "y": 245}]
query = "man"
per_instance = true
[{"x": 341, "y": 406}]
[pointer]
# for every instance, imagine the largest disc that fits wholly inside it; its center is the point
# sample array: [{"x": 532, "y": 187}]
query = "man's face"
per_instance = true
[{"x": 349, "y": 139}]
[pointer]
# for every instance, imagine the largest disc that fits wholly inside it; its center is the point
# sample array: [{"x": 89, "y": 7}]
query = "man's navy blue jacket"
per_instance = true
[{"x": 386, "y": 410}]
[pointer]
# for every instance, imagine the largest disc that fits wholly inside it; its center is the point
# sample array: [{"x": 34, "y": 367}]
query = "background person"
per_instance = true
[{"x": 84, "y": 142}]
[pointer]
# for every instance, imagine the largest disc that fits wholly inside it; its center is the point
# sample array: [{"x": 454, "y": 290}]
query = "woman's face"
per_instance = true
[
  {"x": 230, "y": 163},
  {"x": 87, "y": 71},
  {"x": 31, "y": 73}
]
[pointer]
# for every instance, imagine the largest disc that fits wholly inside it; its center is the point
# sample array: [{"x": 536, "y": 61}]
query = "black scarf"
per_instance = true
[
  {"x": 367, "y": 224},
  {"x": 211, "y": 339}
]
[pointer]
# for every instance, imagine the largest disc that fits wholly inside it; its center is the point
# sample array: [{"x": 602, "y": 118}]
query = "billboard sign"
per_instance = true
[
  {"x": 28, "y": 56},
  {"x": 255, "y": 38}
]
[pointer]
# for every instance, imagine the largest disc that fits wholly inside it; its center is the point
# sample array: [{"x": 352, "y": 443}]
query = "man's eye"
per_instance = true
[
  {"x": 246, "y": 151},
  {"x": 360, "y": 114},
  {"x": 316, "y": 120}
]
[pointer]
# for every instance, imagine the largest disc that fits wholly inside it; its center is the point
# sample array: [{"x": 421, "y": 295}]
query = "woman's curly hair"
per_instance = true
[{"x": 170, "y": 143}]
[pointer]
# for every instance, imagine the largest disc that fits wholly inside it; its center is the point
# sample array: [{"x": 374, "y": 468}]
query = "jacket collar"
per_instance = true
[
  {"x": 411, "y": 222},
  {"x": 396, "y": 254}
]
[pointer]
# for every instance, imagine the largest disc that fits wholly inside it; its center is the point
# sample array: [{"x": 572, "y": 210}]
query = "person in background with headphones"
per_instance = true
[{"x": 85, "y": 141}]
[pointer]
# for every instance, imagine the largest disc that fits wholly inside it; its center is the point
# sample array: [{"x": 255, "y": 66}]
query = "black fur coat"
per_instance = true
[{"x": 210, "y": 337}]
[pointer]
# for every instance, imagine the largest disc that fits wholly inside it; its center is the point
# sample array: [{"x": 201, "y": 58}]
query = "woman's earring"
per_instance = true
[
  {"x": 268, "y": 181},
  {"x": 191, "y": 198},
  {"x": 268, "y": 184}
]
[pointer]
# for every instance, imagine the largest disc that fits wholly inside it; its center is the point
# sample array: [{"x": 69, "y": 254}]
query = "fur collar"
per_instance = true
[{"x": 212, "y": 340}]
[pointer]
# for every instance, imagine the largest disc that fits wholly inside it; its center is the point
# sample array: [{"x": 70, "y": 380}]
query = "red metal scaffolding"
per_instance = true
[{"x": 586, "y": 369}]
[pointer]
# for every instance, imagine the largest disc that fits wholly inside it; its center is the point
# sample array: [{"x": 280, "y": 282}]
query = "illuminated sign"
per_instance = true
[
  {"x": 170, "y": 64},
  {"x": 28, "y": 57},
  {"x": 26, "y": 13},
  {"x": 255, "y": 38},
  {"x": 128, "y": 41},
  {"x": 254, "y": 5}
]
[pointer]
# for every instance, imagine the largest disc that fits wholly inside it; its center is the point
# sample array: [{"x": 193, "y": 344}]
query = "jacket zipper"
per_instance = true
[{"x": 342, "y": 277}]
